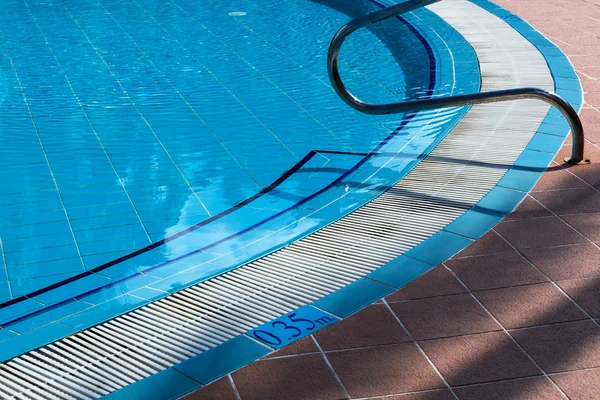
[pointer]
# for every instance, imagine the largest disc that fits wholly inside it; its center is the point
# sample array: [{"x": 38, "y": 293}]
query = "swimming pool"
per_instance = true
[
  {"x": 216, "y": 190},
  {"x": 151, "y": 145}
]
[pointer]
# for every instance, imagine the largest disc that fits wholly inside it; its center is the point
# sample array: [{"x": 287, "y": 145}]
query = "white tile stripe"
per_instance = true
[{"x": 102, "y": 359}]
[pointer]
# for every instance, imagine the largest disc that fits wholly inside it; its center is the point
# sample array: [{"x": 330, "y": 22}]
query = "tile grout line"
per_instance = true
[
  {"x": 499, "y": 381},
  {"x": 388, "y": 396},
  {"x": 283, "y": 23},
  {"x": 572, "y": 173},
  {"x": 180, "y": 95},
  {"x": 44, "y": 152},
  {"x": 575, "y": 370},
  {"x": 544, "y": 274},
  {"x": 90, "y": 123},
  {"x": 235, "y": 389},
  {"x": 506, "y": 332},
  {"x": 196, "y": 22},
  {"x": 414, "y": 341},
  {"x": 10, "y": 291},
  {"x": 561, "y": 219},
  {"x": 133, "y": 103},
  {"x": 264, "y": 76},
  {"x": 335, "y": 375}
]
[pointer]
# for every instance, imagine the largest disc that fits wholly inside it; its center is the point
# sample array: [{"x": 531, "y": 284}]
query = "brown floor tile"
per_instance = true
[
  {"x": 218, "y": 390},
  {"x": 572, "y": 201},
  {"x": 372, "y": 326},
  {"x": 437, "y": 282},
  {"x": 495, "y": 271},
  {"x": 592, "y": 131},
  {"x": 479, "y": 358},
  {"x": 428, "y": 395},
  {"x": 588, "y": 115},
  {"x": 304, "y": 377},
  {"x": 536, "y": 388},
  {"x": 531, "y": 305},
  {"x": 585, "y": 292},
  {"x": 444, "y": 316},
  {"x": 566, "y": 262},
  {"x": 529, "y": 208},
  {"x": 586, "y": 224},
  {"x": 489, "y": 243},
  {"x": 302, "y": 346},
  {"x": 558, "y": 178},
  {"x": 538, "y": 232},
  {"x": 579, "y": 385},
  {"x": 379, "y": 371},
  {"x": 562, "y": 347},
  {"x": 590, "y": 173}
]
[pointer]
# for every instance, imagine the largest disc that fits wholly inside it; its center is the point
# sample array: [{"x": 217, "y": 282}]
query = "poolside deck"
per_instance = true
[{"x": 514, "y": 316}]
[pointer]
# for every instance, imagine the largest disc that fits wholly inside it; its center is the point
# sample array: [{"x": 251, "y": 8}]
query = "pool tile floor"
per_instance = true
[{"x": 513, "y": 316}]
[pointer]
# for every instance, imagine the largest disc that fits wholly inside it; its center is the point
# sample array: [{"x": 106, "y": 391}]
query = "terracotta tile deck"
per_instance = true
[{"x": 511, "y": 317}]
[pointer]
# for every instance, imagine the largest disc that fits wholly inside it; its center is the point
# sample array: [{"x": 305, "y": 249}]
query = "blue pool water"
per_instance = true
[{"x": 149, "y": 144}]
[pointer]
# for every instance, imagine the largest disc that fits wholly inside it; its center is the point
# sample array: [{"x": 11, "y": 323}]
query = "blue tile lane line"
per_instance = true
[
  {"x": 475, "y": 222},
  {"x": 118, "y": 290}
]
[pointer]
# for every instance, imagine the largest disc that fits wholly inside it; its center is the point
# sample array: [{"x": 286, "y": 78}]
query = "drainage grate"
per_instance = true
[{"x": 449, "y": 181}]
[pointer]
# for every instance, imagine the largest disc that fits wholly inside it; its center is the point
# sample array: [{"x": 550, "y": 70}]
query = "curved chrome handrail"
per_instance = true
[{"x": 443, "y": 102}]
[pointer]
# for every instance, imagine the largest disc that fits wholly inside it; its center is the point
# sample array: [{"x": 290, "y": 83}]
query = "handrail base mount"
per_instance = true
[{"x": 573, "y": 161}]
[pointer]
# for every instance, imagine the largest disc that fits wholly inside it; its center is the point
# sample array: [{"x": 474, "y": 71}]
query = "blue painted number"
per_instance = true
[{"x": 292, "y": 326}]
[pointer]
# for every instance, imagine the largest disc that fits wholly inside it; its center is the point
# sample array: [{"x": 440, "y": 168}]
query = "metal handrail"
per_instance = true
[{"x": 453, "y": 101}]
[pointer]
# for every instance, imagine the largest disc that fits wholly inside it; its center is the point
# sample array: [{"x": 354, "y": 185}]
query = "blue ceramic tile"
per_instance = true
[
  {"x": 557, "y": 130},
  {"x": 164, "y": 385},
  {"x": 40, "y": 255},
  {"x": 5, "y": 292},
  {"x": 534, "y": 161},
  {"x": 49, "y": 316},
  {"x": 6, "y": 334},
  {"x": 114, "y": 245},
  {"x": 94, "y": 210},
  {"x": 117, "y": 289},
  {"x": 222, "y": 359},
  {"x": 19, "y": 309},
  {"x": 150, "y": 294},
  {"x": 500, "y": 200},
  {"x": 170, "y": 268},
  {"x": 25, "y": 231},
  {"x": 24, "y": 287},
  {"x": 400, "y": 271},
  {"x": 36, "y": 242},
  {"x": 546, "y": 143},
  {"x": 72, "y": 289},
  {"x": 102, "y": 312},
  {"x": 292, "y": 327},
  {"x": 523, "y": 177},
  {"x": 31, "y": 340},
  {"x": 439, "y": 247},
  {"x": 189, "y": 277},
  {"x": 474, "y": 223},
  {"x": 41, "y": 269},
  {"x": 96, "y": 260},
  {"x": 353, "y": 297}
]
